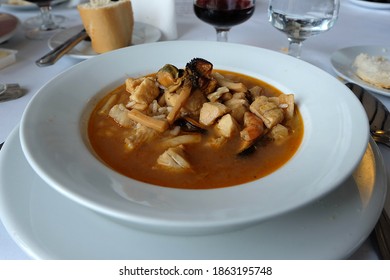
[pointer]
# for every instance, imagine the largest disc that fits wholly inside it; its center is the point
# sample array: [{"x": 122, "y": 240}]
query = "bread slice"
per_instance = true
[
  {"x": 109, "y": 24},
  {"x": 373, "y": 69}
]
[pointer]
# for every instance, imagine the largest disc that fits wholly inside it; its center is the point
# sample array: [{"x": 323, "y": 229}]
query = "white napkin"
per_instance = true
[{"x": 159, "y": 13}]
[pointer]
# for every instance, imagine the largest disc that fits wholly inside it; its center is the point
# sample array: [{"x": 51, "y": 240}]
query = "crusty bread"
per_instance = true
[
  {"x": 373, "y": 69},
  {"x": 108, "y": 24}
]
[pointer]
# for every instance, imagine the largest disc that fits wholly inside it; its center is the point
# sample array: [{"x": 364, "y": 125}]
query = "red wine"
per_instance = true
[{"x": 223, "y": 17}]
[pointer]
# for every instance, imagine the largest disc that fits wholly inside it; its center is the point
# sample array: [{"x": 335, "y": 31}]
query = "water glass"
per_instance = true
[{"x": 301, "y": 19}]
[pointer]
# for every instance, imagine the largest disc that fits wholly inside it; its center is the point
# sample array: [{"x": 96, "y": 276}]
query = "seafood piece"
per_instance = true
[
  {"x": 278, "y": 133},
  {"x": 246, "y": 148},
  {"x": 227, "y": 126},
  {"x": 156, "y": 124},
  {"x": 143, "y": 90},
  {"x": 225, "y": 82},
  {"x": 288, "y": 101},
  {"x": 182, "y": 140},
  {"x": 253, "y": 127},
  {"x": 188, "y": 124},
  {"x": 255, "y": 92},
  {"x": 216, "y": 142},
  {"x": 168, "y": 76},
  {"x": 199, "y": 72},
  {"x": 268, "y": 111},
  {"x": 214, "y": 96},
  {"x": 105, "y": 109},
  {"x": 195, "y": 102},
  {"x": 211, "y": 111},
  {"x": 174, "y": 159},
  {"x": 238, "y": 107},
  {"x": 120, "y": 115},
  {"x": 140, "y": 134},
  {"x": 184, "y": 94}
]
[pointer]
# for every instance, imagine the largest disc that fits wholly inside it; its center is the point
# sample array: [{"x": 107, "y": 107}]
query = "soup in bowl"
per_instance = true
[
  {"x": 60, "y": 142},
  {"x": 195, "y": 128}
]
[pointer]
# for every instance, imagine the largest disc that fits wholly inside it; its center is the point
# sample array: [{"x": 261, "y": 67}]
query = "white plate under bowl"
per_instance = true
[
  {"x": 47, "y": 225},
  {"x": 342, "y": 63},
  {"x": 53, "y": 138},
  {"x": 142, "y": 33}
]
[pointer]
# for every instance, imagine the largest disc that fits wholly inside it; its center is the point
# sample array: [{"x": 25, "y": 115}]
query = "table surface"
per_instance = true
[{"x": 356, "y": 26}]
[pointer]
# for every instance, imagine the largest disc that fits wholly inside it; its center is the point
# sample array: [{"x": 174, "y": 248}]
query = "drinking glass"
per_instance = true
[
  {"x": 224, "y": 14},
  {"x": 44, "y": 25},
  {"x": 300, "y": 19}
]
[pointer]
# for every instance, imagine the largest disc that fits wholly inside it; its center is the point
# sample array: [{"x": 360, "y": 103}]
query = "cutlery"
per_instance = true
[
  {"x": 10, "y": 91},
  {"x": 379, "y": 120},
  {"x": 54, "y": 55}
]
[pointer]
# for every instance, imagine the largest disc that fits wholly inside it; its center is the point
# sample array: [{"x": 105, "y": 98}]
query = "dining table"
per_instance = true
[{"x": 357, "y": 25}]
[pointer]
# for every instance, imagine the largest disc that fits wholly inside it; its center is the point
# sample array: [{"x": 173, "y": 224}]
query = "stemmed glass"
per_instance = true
[
  {"x": 44, "y": 25},
  {"x": 300, "y": 19},
  {"x": 224, "y": 14}
]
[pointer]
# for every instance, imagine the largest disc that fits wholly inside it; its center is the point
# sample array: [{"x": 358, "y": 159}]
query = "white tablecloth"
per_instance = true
[{"x": 356, "y": 26}]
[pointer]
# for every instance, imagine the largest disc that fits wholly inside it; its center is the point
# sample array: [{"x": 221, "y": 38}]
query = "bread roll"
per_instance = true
[
  {"x": 373, "y": 69},
  {"x": 108, "y": 24}
]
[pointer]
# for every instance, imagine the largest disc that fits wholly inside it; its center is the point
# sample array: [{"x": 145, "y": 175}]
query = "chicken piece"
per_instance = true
[
  {"x": 141, "y": 134},
  {"x": 211, "y": 111},
  {"x": 120, "y": 114},
  {"x": 174, "y": 159},
  {"x": 253, "y": 127},
  {"x": 268, "y": 111},
  {"x": 143, "y": 90},
  {"x": 227, "y": 126},
  {"x": 279, "y": 133},
  {"x": 225, "y": 82}
]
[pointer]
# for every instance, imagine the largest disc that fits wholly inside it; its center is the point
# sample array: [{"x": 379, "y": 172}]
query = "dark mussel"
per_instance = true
[{"x": 190, "y": 125}]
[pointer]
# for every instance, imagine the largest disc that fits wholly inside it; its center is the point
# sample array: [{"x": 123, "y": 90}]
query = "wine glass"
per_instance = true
[
  {"x": 300, "y": 19},
  {"x": 224, "y": 14},
  {"x": 44, "y": 25}
]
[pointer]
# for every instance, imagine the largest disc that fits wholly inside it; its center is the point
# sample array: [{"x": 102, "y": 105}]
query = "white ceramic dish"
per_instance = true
[
  {"x": 142, "y": 33},
  {"x": 57, "y": 147},
  {"x": 47, "y": 225},
  {"x": 342, "y": 63},
  {"x": 371, "y": 5}
]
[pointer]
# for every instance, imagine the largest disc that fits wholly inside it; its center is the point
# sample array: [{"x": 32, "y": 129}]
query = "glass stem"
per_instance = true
[
  {"x": 294, "y": 48},
  {"x": 47, "y": 20},
  {"x": 222, "y": 34}
]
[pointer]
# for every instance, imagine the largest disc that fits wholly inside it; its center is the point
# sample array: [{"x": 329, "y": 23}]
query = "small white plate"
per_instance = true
[
  {"x": 142, "y": 33},
  {"x": 47, "y": 225},
  {"x": 342, "y": 61},
  {"x": 371, "y": 4}
]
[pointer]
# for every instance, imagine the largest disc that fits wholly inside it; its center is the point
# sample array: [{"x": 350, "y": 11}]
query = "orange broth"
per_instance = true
[{"x": 211, "y": 168}]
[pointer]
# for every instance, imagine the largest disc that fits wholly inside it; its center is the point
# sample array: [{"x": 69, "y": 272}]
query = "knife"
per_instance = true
[
  {"x": 54, "y": 55},
  {"x": 379, "y": 120}
]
